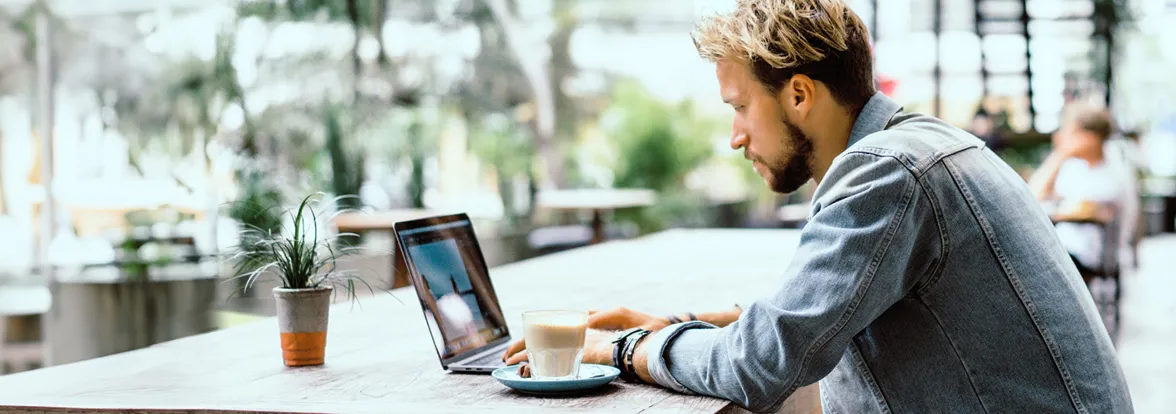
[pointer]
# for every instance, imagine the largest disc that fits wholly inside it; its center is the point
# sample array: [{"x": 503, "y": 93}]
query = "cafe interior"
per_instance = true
[{"x": 163, "y": 162}]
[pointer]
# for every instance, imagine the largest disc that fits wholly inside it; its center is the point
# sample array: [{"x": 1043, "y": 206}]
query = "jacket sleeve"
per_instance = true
[{"x": 858, "y": 255}]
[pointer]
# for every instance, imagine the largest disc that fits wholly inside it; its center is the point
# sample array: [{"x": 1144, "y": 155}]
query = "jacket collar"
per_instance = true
[{"x": 874, "y": 117}]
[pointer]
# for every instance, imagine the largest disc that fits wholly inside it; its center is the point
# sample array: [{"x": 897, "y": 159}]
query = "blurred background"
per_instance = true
[{"x": 137, "y": 139}]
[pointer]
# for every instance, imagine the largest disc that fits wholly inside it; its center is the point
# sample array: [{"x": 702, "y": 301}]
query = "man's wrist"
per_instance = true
[
  {"x": 641, "y": 362},
  {"x": 654, "y": 368},
  {"x": 719, "y": 318},
  {"x": 629, "y": 351}
]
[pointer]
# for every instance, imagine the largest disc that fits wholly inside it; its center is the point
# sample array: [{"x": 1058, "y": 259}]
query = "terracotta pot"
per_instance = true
[{"x": 302, "y": 317}]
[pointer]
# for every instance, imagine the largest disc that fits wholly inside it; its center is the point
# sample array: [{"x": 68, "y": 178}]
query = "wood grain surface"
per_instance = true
[{"x": 380, "y": 357}]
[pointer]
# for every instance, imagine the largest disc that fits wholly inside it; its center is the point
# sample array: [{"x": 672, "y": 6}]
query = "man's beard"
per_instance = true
[{"x": 798, "y": 170}]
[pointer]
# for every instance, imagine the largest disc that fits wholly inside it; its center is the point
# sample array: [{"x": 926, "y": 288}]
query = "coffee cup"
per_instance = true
[{"x": 555, "y": 342}]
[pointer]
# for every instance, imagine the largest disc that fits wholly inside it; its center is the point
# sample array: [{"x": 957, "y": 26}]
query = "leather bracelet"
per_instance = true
[
  {"x": 619, "y": 347},
  {"x": 629, "y": 373}
]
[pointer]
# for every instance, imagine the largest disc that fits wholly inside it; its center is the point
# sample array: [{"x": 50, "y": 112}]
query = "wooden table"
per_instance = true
[
  {"x": 380, "y": 357},
  {"x": 596, "y": 201}
]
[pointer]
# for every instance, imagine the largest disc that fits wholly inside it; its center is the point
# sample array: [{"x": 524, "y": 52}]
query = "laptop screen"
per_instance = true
[{"x": 449, "y": 275}]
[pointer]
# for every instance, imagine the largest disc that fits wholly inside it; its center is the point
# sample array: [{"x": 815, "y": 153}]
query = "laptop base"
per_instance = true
[{"x": 483, "y": 363}]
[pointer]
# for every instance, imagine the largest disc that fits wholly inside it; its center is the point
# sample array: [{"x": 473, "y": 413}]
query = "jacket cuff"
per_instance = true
[{"x": 658, "y": 344}]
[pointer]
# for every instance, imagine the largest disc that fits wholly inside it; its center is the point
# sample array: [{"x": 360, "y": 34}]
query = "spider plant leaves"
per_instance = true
[{"x": 297, "y": 255}]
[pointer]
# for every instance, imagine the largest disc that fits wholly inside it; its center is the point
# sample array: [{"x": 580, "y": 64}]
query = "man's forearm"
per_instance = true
[
  {"x": 641, "y": 354},
  {"x": 641, "y": 363},
  {"x": 719, "y": 319}
]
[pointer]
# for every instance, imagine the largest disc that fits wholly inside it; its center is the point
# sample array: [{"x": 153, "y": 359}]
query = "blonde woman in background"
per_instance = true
[{"x": 1087, "y": 186}]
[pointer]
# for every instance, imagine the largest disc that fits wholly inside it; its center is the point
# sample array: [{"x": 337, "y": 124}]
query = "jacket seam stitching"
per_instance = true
[
  {"x": 956, "y": 350},
  {"x": 1022, "y": 295},
  {"x": 944, "y": 241},
  {"x": 860, "y": 362},
  {"x": 875, "y": 262},
  {"x": 911, "y": 165},
  {"x": 887, "y": 153}
]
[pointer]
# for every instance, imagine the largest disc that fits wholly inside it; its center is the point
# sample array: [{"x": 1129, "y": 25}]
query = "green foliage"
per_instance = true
[
  {"x": 502, "y": 143},
  {"x": 300, "y": 260},
  {"x": 675, "y": 208},
  {"x": 1112, "y": 14},
  {"x": 409, "y": 135},
  {"x": 186, "y": 98},
  {"x": 347, "y": 165},
  {"x": 1025, "y": 155},
  {"x": 658, "y": 144},
  {"x": 507, "y": 148},
  {"x": 260, "y": 202},
  {"x": 367, "y": 11},
  {"x": 258, "y": 207},
  {"x": 416, "y": 181}
]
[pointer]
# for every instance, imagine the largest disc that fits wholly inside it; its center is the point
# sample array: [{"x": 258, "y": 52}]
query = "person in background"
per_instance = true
[
  {"x": 1086, "y": 186},
  {"x": 984, "y": 128}
]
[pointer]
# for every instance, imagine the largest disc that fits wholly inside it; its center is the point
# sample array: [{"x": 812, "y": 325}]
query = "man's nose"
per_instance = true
[{"x": 738, "y": 140}]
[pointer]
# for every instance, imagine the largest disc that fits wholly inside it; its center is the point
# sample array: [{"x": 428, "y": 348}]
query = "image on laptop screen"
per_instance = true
[{"x": 460, "y": 306}]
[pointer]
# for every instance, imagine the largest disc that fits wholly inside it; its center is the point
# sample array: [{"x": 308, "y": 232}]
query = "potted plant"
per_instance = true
[{"x": 305, "y": 265}]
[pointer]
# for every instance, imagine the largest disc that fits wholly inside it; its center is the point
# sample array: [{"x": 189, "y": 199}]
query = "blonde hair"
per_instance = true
[
  {"x": 819, "y": 38},
  {"x": 1095, "y": 119}
]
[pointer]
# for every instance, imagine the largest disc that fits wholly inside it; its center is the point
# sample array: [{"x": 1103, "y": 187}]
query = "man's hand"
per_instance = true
[
  {"x": 620, "y": 319},
  {"x": 598, "y": 348},
  {"x": 617, "y": 319}
]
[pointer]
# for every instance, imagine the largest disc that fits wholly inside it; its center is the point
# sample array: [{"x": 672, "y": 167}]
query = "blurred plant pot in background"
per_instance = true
[{"x": 95, "y": 318}]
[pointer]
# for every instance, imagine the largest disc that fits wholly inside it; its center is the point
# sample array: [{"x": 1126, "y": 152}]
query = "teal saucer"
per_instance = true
[{"x": 591, "y": 376}]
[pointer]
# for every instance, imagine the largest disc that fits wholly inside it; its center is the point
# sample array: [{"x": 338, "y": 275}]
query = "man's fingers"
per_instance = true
[
  {"x": 525, "y": 370},
  {"x": 514, "y": 348},
  {"x": 608, "y": 320},
  {"x": 517, "y": 358}
]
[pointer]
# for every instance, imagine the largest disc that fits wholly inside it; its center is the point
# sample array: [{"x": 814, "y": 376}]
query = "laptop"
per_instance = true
[{"x": 451, "y": 280}]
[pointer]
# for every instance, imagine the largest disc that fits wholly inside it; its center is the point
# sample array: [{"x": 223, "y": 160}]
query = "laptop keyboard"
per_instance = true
[{"x": 493, "y": 359}]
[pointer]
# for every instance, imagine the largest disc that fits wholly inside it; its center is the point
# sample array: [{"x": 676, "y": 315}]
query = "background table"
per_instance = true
[
  {"x": 380, "y": 357},
  {"x": 357, "y": 222},
  {"x": 596, "y": 201},
  {"x": 384, "y": 221}
]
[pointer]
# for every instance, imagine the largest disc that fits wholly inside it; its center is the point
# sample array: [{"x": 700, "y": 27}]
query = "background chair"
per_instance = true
[{"x": 21, "y": 300}]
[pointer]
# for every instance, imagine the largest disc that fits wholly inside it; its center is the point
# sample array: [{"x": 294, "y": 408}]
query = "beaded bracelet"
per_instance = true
[{"x": 674, "y": 319}]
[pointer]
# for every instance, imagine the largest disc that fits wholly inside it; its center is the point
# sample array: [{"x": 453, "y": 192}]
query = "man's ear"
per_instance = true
[{"x": 797, "y": 95}]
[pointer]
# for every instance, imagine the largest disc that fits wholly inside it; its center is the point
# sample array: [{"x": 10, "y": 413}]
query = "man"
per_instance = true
[{"x": 926, "y": 280}]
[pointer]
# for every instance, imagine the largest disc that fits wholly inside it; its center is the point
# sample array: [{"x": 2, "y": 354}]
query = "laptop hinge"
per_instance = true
[{"x": 477, "y": 356}]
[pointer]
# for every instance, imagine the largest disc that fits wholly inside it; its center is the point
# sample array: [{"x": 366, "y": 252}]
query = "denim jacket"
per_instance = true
[{"x": 926, "y": 280}]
